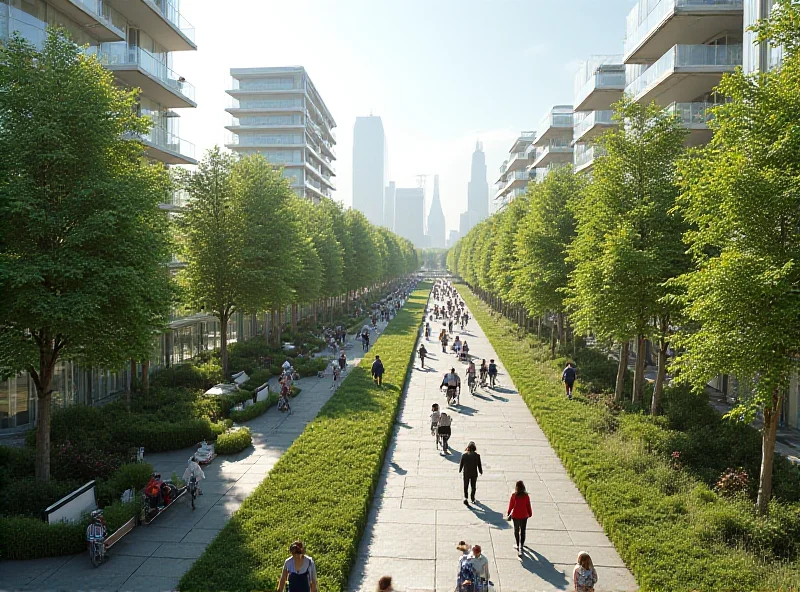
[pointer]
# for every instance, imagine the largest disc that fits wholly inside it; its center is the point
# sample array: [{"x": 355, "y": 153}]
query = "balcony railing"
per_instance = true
[
  {"x": 118, "y": 54},
  {"x": 166, "y": 140},
  {"x": 105, "y": 13},
  {"x": 686, "y": 56},
  {"x": 171, "y": 13},
  {"x": 692, "y": 114},
  {"x": 557, "y": 118},
  {"x": 640, "y": 26},
  {"x": 592, "y": 119},
  {"x": 601, "y": 80},
  {"x": 255, "y": 84},
  {"x": 585, "y": 154}
]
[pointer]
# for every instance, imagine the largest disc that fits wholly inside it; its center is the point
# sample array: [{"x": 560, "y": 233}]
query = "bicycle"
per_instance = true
[{"x": 192, "y": 486}]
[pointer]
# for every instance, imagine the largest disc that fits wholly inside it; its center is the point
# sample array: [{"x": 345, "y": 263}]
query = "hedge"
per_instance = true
[
  {"x": 674, "y": 532},
  {"x": 321, "y": 488},
  {"x": 233, "y": 441}
]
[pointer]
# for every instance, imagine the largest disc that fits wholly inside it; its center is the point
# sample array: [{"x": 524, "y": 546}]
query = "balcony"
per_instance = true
[
  {"x": 694, "y": 117},
  {"x": 105, "y": 23},
  {"x": 556, "y": 151},
  {"x": 685, "y": 72},
  {"x": 585, "y": 155},
  {"x": 523, "y": 141},
  {"x": 602, "y": 89},
  {"x": 517, "y": 161},
  {"x": 161, "y": 20},
  {"x": 166, "y": 147},
  {"x": 593, "y": 124},
  {"x": 176, "y": 201},
  {"x": 556, "y": 124},
  {"x": 137, "y": 68},
  {"x": 685, "y": 22}
]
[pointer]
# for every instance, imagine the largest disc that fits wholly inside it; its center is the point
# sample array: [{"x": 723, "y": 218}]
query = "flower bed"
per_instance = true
[
  {"x": 672, "y": 530},
  {"x": 321, "y": 488}
]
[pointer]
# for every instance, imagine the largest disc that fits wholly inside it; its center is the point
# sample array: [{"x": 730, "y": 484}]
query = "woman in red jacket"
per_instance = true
[{"x": 519, "y": 509}]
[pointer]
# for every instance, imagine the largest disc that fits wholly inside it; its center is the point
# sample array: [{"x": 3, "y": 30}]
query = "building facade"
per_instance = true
[
  {"x": 515, "y": 172},
  {"x": 436, "y": 222},
  {"x": 369, "y": 168},
  {"x": 388, "y": 205},
  {"x": 552, "y": 147},
  {"x": 410, "y": 202},
  {"x": 277, "y": 112},
  {"x": 478, "y": 187}
]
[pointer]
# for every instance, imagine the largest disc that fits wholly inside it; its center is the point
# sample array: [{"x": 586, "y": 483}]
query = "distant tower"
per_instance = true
[
  {"x": 369, "y": 167},
  {"x": 478, "y": 188},
  {"x": 436, "y": 223},
  {"x": 388, "y": 206}
]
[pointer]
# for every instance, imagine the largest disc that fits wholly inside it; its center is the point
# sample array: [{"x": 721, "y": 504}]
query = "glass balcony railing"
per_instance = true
[
  {"x": 692, "y": 114},
  {"x": 517, "y": 156},
  {"x": 105, "y": 13},
  {"x": 166, "y": 140},
  {"x": 642, "y": 22},
  {"x": 585, "y": 154},
  {"x": 255, "y": 84},
  {"x": 171, "y": 13},
  {"x": 178, "y": 198},
  {"x": 118, "y": 54},
  {"x": 557, "y": 118},
  {"x": 683, "y": 56},
  {"x": 602, "y": 80},
  {"x": 592, "y": 119}
]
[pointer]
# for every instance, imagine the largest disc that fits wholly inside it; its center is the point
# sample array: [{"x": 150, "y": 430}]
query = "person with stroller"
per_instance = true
[{"x": 452, "y": 381}]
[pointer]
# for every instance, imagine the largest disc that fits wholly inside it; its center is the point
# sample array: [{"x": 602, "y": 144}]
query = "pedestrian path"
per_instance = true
[
  {"x": 418, "y": 515},
  {"x": 156, "y": 556}
]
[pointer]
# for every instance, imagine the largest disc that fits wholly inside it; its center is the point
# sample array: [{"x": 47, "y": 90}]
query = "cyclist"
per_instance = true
[
  {"x": 453, "y": 383},
  {"x": 471, "y": 377},
  {"x": 444, "y": 430},
  {"x": 434, "y": 418},
  {"x": 422, "y": 353},
  {"x": 492, "y": 373},
  {"x": 484, "y": 372},
  {"x": 465, "y": 351},
  {"x": 193, "y": 469}
]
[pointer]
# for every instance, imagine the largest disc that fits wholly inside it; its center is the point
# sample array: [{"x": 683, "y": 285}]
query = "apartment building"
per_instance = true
[
  {"x": 278, "y": 112},
  {"x": 514, "y": 173},
  {"x": 135, "y": 40},
  {"x": 552, "y": 147}
]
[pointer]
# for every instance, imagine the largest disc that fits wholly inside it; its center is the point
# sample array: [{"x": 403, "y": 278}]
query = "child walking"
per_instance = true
[{"x": 584, "y": 575}]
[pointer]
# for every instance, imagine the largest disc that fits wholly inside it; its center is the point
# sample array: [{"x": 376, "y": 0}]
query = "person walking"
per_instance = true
[
  {"x": 470, "y": 466},
  {"x": 299, "y": 570},
  {"x": 584, "y": 576},
  {"x": 422, "y": 353},
  {"x": 377, "y": 371},
  {"x": 519, "y": 510},
  {"x": 568, "y": 377}
]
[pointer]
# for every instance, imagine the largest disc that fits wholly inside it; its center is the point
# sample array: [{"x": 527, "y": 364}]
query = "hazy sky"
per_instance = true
[{"x": 440, "y": 73}]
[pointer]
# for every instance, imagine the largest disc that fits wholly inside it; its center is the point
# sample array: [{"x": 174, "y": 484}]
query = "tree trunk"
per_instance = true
[
  {"x": 44, "y": 395},
  {"x": 294, "y": 319},
  {"x": 771, "y": 415},
  {"x": 638, "y": 369},
  {"x": 223, "y": 345},
  {"x": 561, "y": 331},
  {"x": 621, "y": 369},
  {"x": 131, "y": 379},
  {"x": 553, "y": 341},
  {"x": 658, "y": 389},
  {"x": 145, "y": 375}
]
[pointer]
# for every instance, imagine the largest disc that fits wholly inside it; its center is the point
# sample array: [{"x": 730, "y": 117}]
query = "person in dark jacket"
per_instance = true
[
  {"x": 377, "y": 371},
  {"x": 470, "y": 466},
  {"x": 568, "y": 376}
]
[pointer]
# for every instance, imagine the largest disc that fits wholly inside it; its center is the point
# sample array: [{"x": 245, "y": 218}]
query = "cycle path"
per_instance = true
[
  {"x": 418, "y": 515},
  {"x": 156, "y": 556}
]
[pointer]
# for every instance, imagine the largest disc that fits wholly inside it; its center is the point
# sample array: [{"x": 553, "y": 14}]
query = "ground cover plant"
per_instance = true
[
  {"x": 321, "y": 488},
  {"x": 660, "y": 486}
]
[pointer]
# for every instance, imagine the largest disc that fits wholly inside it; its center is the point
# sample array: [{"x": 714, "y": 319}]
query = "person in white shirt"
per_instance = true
[
  {"x": 434, "y": 418},
  {"x": 193, "y": 468},
  {"x": 479, "y": 562}
]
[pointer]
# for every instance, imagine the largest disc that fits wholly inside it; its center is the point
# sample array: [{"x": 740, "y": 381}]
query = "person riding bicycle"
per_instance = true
[
  {"x": 471, "y": 376},
  {"x": 435, "y": 418},
  {"x": 492, "y": 372},
  {"x": 283, "y": 399},
  {"x": 422, "y": 353},
  {"x": 193, "y": 469},
  {"x": 465, "y": 351},
  {"x": 444, "y": 430},
  {"x": 96, "y": 531},
  {"x": 453, "y": 383}
]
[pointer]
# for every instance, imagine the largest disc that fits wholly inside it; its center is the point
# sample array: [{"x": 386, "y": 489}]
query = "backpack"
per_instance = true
[{"x": 466, "y": 572}]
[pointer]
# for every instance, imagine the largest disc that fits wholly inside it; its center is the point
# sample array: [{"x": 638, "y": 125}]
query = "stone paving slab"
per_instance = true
[{"x": 420, "y": 496}]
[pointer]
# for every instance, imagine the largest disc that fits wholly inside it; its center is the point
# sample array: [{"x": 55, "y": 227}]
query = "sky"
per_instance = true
[{"x": 441, "y": 74}]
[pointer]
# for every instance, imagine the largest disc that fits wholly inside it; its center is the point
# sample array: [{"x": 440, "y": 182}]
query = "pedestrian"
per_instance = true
[
  {"x": 568, "y": 377},
  {"x": 444, "y": 341},
  {"x": 422, "y": 353},
  {"x": 479, "y": 562},
  {"x": 519, "y": 510},
  {"x": 377, "y": 371},
  {"x": 584, "y": 576},
  {"x": 299, "y": 570},
  {"x": 365, "y": 339},
  {"x": 385, "y": 584},
  {"x": 470, "y": 466}
]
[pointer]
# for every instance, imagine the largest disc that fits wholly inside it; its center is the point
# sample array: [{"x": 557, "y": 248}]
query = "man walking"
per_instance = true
[
  {"x": 470, "y": 466},
  {"x": 377, "y": 371},
  {"x": 568, "y": 377}
]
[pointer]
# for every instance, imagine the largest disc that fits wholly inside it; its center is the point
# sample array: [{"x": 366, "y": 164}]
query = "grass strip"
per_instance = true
[
  {"x": 673, "y": 532},
  {"x": 321, "y": 489}
]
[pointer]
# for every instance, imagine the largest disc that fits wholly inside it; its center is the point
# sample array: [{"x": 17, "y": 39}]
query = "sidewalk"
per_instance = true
[
  {"x": 155, "y": 557},
  {"x": 418, "y": 515}
]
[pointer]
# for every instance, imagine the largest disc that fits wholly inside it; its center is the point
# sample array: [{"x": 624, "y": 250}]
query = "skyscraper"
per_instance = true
[
  {"x": 478, "y": 187},
  {"x": 388, "y": 206},
  {"x": 436, "y": 224},
  {"x": 410, "y": 203},
  {"x": 369, "y": 167}
]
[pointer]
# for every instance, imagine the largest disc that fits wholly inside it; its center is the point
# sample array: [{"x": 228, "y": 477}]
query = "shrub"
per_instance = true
[
  {"x": 129, "y": 476},
  {"x": 187, "y": 375},
  {"x": 18, "y": 463},
  {"x": 233, "y": 441},
  {"x": 254, "y": 410},
  {"x": 336, "y": 490},
  {"x": 28, "y": 497},
  {"x": 82, "y": 462},
  {"x": 161, "y": 436},
  {"x": 29, "y": 538},
  {"x": 732, "y": 482}
]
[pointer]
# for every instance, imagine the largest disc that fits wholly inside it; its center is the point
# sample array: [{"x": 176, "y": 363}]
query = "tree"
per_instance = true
[
  {"x": 83, "y": 244},
  {"x": 542, "y": 241},
  {"x": 504, "y": 261},
  {"x": 624, "y": 249},
  {"x": 740, "y": 193}
]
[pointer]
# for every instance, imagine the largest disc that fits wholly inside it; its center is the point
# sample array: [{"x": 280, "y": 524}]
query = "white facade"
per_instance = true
[
  {"x": 514, "y": 172},
  {"x": 369, "y": 168},
  {"x": 388, "y": 205},
  {"x": 410, "y": 224},
  {"x": 552, "y": 148},
  {"x": 278, "y": 112}
]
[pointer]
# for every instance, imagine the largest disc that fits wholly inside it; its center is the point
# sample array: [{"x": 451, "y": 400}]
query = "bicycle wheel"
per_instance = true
[
  {"x": 193, "y": 492},
  {"x": 94, "y": 554}
]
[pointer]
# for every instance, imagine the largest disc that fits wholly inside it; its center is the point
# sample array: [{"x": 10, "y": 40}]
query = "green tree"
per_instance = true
[
  {"x": 83, "y": 244},
  {"x": 624, "y": 250},
  {"x": 504, "y": 263},
  {"x": 741, "y": 194}
]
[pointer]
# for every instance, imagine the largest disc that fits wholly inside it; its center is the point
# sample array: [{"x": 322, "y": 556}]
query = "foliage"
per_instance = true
[
  {"x": 335, "y": 489},
  {"x": 732, "y": 482},
  {"x": 671, "y": 529},
  {"x": 233, "y": 441},
  {"x": 254, "y": 410}
]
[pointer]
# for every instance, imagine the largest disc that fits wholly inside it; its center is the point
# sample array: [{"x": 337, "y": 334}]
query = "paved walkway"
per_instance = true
[
  {"x": 418, "y": 515},
  {"x": 155, "y": 557}
]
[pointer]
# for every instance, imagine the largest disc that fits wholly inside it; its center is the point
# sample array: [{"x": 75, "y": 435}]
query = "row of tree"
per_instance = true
[
  {"x": 85, "y": 246},
  {"x": 698, "y": 249}
]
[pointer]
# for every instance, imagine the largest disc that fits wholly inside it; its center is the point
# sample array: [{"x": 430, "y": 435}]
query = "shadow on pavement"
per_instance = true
[
  {"x": 538, "y": 564},
  {"x": 465, "y": 409},
  {"x": 488, "y": 515}
]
